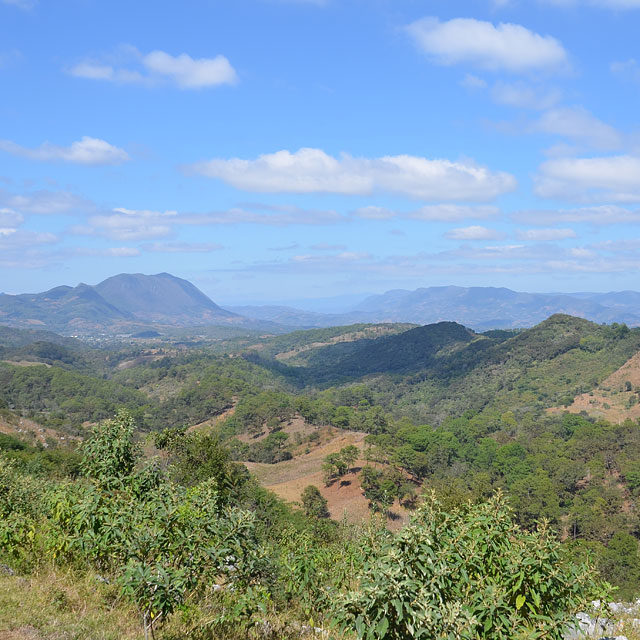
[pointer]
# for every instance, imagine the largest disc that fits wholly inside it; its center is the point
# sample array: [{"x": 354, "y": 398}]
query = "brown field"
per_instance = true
[
  {"x": 32, "y": 431},
  {"x": 610, "y": 400},
  {"x": 345, "y": 498}
]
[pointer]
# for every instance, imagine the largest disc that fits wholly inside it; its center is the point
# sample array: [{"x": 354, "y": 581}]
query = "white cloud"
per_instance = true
[
  {"x": 374, "y": 213},
  {"x": 453, "y": 212},
  {"x": 601, "y": 215},
  {"x": 128, "y": 224},
  {"x": 276, "y": 216},
  {"x": 87, "y": 151},
  {"x": 580, "y": 125},
  {"x": 544, "y": 235},
  {"x": 183, "y": 247},
  {"x": 45, "y": 202},
  {"x": 524, "y": 96},
  {"x": 10, "y": 218},
  {"x": 20, "y": 239},
  {"x": 473, "y": 233},
  {"x": 111, "y": 252},
  {"x": 508, "y": 47},
  {"x": 432, "y": 212},
  {"x": 130, "y": 66},
  {"x": 613, "y": 179},
  {"x": 314, "y": 171}
]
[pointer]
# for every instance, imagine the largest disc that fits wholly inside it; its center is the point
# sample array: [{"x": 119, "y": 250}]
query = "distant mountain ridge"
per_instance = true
[
  {"x": 120, "y": 302},
  {"x": 128, "y": 303},
  {"x": 480, "y": 308}
]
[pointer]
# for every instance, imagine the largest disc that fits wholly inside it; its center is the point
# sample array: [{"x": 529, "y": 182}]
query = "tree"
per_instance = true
[
  {"x": 349, "y": 455},
  {"x": 333, "y": 466},
  {"x": 110, "y": 455},
  {"x": 314, "y": 504},
  {"x": 469, "y": 574}
]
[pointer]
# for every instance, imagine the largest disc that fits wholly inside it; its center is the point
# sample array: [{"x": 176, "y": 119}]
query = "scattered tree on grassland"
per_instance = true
[{"x": 314, "y": 504}]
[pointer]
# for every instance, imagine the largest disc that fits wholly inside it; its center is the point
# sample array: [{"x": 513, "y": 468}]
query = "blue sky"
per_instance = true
[{"x": 276, "y": 150}]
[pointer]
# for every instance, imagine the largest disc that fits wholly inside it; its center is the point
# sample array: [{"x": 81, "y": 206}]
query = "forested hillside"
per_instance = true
[{"x": 436, "y": 408}]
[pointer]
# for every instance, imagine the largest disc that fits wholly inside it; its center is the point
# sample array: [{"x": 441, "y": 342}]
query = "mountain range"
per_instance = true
[
  {"x": 130, "y": 302},
  {"x": 119, "y": 303},
  {"x": 480, "y": 308}
]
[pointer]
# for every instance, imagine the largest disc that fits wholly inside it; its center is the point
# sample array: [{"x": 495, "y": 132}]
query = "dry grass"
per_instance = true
[{"x": 58, "y": 605}]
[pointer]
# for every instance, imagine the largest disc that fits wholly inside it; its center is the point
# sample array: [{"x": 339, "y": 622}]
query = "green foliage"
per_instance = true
[
  {"x": 109, "y": 455},
  {"x": 314, "y": 504},
  {"x": 469, "y": 574}
]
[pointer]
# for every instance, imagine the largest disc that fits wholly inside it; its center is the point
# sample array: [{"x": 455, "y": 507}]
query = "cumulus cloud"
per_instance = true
[
  {"x": 473, "y": 233},
  {"x": 87, "y": 151},
  {"x": 129, "y": 66},
  {"x": 314, "y": 171},
  {"x": 579, "y": 125},
  {"x": 505, "y": 47},
  {"x": 600, "y": 215},
  {"x": 612, "y": 179},
  {"x": 545, "y": 235}
]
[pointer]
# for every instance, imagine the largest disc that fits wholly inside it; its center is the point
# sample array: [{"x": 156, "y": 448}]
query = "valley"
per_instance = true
[{"x": 329, "y": 432}]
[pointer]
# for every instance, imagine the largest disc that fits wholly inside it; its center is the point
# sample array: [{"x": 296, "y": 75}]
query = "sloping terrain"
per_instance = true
[
  {"x": 345, "y": 497},
  {"x": 615, "y": 399}
]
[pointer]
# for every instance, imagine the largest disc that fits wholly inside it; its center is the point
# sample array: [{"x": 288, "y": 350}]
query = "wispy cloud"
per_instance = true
[
  {"x": 502, "y": 47},
  {"x": 545, "y": 235},
  {"x": 525, "y": 96},
  {"x": 314, "y": 171},
  {"x": 474, "y": 232},
  {"x": 600, "y": 215},
  {"x": 44, "y": 202},
  {"x": 579, "y": 125},
  {"x": 129, "y": 224},
  {"x": 87, "y": 151},
  {"x": 183, "y": 247},
  {"x": 433, "y": 213},
  {"x": 627, "y": 70},
  {"x": 25, "y": 5},
  {"x": 129, "y": 66},
  {"x": 612, "y": 179}
]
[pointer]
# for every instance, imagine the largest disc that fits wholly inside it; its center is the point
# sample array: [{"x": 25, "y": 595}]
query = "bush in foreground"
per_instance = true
[{"x": 469, "y": 574}]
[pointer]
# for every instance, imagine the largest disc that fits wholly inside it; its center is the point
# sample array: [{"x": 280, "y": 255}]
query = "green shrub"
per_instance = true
[{"x": 469, "y": 574}]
